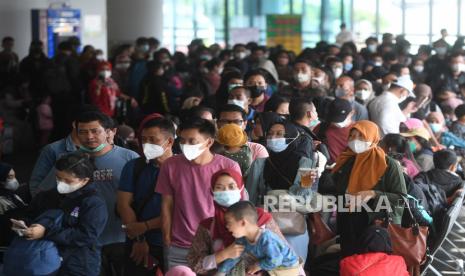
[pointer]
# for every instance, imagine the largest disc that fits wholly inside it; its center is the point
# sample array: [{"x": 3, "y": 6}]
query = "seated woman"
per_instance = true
[
  {"x": 10, "y": 201},
  {"x": 365, "y": 171},
  {"x": 84, "y": 216},
  {"x": 437, "y": 124},
  {"x": 418, "y": 140},
  {"x": 398, "y": 148},
  {"x": 213, "y": 243},
  {"x": 279, "y": 173}
]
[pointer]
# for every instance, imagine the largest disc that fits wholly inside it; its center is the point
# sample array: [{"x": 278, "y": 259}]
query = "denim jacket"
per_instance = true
[{"x": 43, "y": 174}]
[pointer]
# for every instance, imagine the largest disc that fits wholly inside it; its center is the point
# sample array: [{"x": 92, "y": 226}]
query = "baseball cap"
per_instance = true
[
  {"x": 339, "y": 109},
  {"x": 406, "y": 83}
]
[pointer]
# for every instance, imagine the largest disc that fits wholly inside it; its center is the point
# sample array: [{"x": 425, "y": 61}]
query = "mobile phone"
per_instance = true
[{"x": 19, "y": 224}]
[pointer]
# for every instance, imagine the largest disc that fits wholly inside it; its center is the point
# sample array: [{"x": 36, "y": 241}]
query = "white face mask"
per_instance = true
[
  {"x": 337, "y": 72},
  {"x": 240, "y": 55},
  {"x": 11, "y": 184},
  {"x": 362, "y": 94},
  {"x": 418, "y": 68},
  {"x": 403, "y": 98},
  {"x": 344, "y": 123},
  {"x": 302, "y": 78},
  {"x": 152, "y": 151},
  {"x": 455, "y": 67},
  {"x": 359, "y": 146},
  {"x": 105, "y": 74},
  {"x": 239, "y": 103},
  {"x": 462, "y": 67},
  {"x": 191, "y": 152},
  {"x": 64, "y": 188},
  {"x": 100, "y": 57},
  {"x": 378, "y": 63}
]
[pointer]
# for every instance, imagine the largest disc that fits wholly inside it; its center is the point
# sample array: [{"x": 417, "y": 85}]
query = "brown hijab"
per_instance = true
[{"x": 370, "y": 165}]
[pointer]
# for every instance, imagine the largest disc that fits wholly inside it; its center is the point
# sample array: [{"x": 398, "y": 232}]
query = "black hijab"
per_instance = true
[{"x": 281, "y": 167}]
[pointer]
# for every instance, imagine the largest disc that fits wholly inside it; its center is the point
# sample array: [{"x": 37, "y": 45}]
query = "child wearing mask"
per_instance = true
[
  {"x": 104, "y": 92},
  {"x": 273, "y": 254},
  {"x": 9, "y": 201}
]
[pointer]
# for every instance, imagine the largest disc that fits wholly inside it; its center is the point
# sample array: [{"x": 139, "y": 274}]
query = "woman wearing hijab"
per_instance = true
[
  {"x": 279, "y": 173},
  {"x": 213, "y": 243},
  {"x": 263, "y": 122},
  {"x": 364, "y": 170}
]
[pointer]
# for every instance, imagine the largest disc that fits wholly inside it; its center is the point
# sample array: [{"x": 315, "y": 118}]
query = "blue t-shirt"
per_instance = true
[
  {"x": 270, "y": 250},
  {"x": 106, "y": 179},
  {"x": 144, "y": 187}
]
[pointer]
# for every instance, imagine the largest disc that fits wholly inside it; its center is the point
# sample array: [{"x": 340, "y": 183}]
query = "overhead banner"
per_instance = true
[{"x": 285, "y": 30}]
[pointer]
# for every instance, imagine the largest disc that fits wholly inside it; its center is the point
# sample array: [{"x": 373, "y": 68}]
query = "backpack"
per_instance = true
[{"x": 33, "y": 257}]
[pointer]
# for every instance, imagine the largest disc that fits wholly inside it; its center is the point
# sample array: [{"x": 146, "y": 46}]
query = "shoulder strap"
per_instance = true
[
  {"x": 139, "y": 166},
  {"x": 279, "y": 172}
]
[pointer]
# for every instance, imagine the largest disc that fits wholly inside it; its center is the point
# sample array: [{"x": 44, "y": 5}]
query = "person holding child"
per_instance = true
[{"x": 273, "y": 254}]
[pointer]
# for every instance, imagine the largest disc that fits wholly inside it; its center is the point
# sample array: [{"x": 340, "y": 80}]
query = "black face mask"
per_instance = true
[{"x": 256, "y": 91}]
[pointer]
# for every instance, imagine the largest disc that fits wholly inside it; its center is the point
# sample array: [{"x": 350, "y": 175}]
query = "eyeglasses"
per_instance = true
[{"x": 236, "y": 122}]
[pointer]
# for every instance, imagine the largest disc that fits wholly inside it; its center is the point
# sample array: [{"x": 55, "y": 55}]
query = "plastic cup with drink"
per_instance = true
[{"x": 307, "y": 176}]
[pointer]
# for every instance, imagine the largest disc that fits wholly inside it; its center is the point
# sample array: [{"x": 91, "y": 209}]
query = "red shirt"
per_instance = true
[
  {"x": 106, "y": 99},
  {"x": 336, "y": 139}
]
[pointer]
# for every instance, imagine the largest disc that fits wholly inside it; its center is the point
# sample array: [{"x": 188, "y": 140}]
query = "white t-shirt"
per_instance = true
[{"x": 386, "y": 113}]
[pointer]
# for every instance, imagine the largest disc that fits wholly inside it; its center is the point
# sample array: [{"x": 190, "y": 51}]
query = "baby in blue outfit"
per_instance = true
[{"x": 273, "y": 254}]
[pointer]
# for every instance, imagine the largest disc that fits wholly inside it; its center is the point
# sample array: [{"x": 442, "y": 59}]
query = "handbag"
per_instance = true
[
  {"x": 319, "y": 229},
  {"x": 290, "y": 223},
  {"x": 410, "y": 243}
]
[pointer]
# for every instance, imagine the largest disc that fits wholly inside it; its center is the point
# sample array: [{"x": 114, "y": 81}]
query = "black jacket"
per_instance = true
[
  {"x": 77, "y": 238},
  {"x": 443, "y": 179}
]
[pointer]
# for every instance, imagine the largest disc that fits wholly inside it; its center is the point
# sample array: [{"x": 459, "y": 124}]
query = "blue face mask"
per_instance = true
[
  {"x": 97, "y": 149},
  {"x": 227, "y": 198},
  {"x": 348, "y": 67},
  {"x": 276, "y": 144},
  {"x": 435, "y": 127},
  {"x": 313, "y": 123}
]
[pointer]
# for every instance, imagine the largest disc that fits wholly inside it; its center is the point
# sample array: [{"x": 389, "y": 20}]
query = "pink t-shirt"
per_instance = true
[
  {"x": 258, "y": 151},
  {"x": 189, "y": 184}
]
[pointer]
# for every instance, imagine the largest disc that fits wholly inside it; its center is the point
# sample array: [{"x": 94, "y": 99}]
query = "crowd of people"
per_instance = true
[{"x": 161, "y": 162}]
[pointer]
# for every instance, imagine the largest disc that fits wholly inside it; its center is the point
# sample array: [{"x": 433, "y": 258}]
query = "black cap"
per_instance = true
[
  {"x": 339, "y": 109},
  {"x": 460, "y": 111}
]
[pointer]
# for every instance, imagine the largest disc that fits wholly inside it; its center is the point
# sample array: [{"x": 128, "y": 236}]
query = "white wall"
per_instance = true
[
  {"x": 130, "y": 19},
  {"x": 15, "y": 21}
]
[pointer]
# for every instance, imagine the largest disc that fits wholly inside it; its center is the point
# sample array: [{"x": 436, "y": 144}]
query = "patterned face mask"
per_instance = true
[{"x": 243, "y": 157}]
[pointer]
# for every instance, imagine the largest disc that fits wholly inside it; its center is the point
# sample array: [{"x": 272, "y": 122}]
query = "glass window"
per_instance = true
[
  {"x": 364, "y": 20},
  {"x": 449, "y": 22},
  {"x": 417, "y": 22},
  {"x": 390, "y": 16},
  {"x": 311, "y": 10}
]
